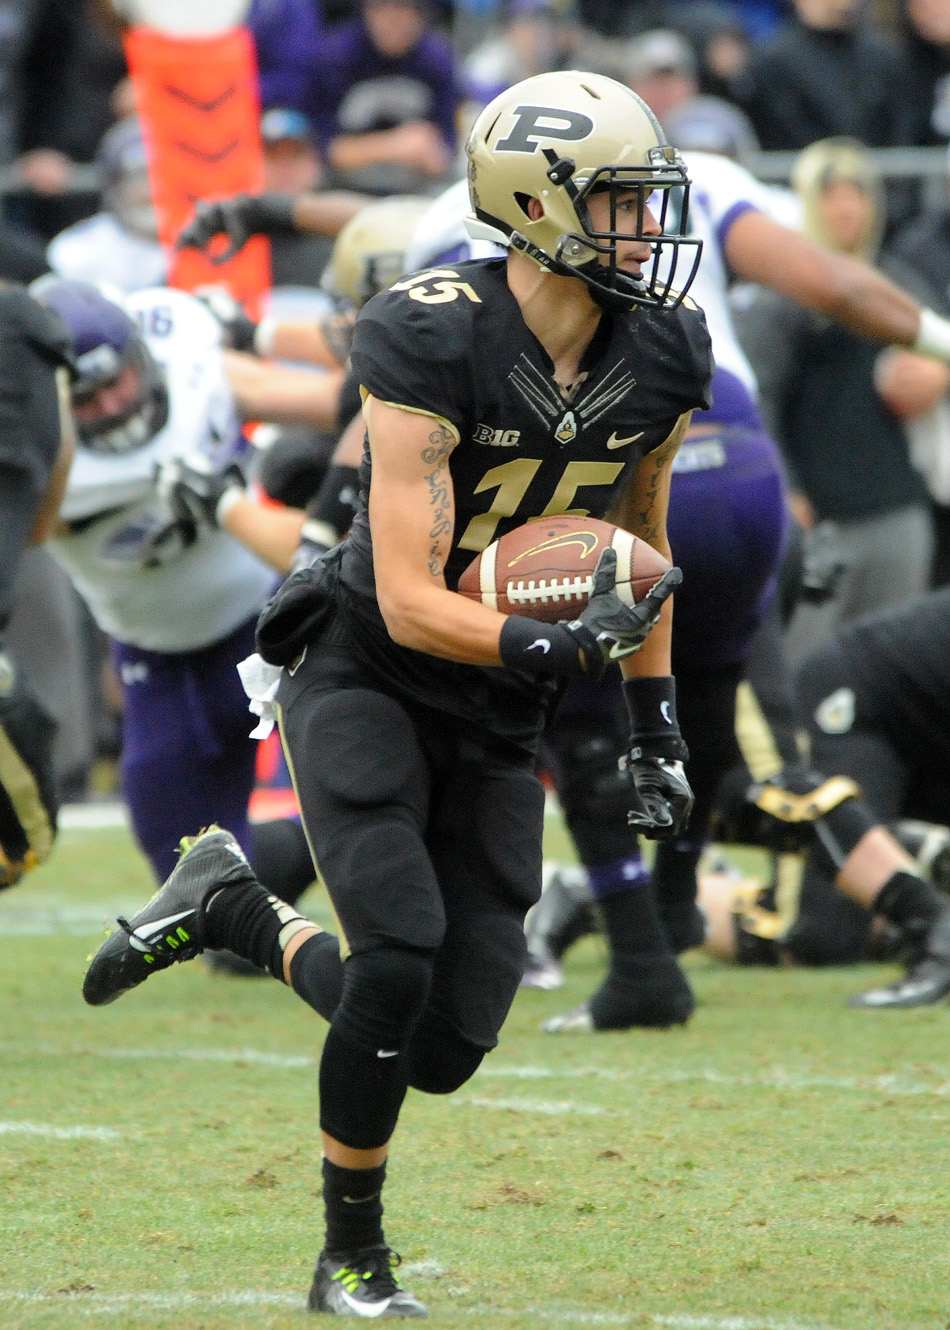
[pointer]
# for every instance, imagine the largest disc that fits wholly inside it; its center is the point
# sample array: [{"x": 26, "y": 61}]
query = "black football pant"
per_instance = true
[{"x": 429, "y": 842}]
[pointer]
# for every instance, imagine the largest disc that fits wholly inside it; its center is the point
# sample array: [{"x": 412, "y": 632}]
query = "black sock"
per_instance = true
[
  {"x": 632, "y": 924},
  {"x": 675, "y": 884},
  {"x": 908, "y": 902},
  {"x": 316, "y": 973},
  {"x": 644, "y": 985},
  {"x": 353, "y": 1203},
  {"x": 249, "y": 921}
]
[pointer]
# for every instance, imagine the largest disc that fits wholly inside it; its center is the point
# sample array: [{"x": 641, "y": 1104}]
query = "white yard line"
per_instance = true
[
  {"x": 93, "y": 816},
  {"x": 774, "y": 1078},
  {"x": 93, "y": 1303},
  {"x": 547, "y": 1107},
  {"x": 52, "y": 1133}
]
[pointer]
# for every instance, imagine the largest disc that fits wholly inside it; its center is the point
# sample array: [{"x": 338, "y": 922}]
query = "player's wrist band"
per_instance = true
[
  {"x": 933, "y": 336},
  {"x": 227, "y": 501},
  {"x": 264, "y": 335},
  {"x": 651, "y": 702},
  {"x": 539, "y": 648}
]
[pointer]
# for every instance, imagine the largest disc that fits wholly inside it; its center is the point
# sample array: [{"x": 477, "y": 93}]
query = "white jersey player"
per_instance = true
[{"x": 179, "y": 600}]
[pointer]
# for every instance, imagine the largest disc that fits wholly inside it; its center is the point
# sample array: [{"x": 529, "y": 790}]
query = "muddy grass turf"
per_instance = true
[{"x": 781, "y": 1162}]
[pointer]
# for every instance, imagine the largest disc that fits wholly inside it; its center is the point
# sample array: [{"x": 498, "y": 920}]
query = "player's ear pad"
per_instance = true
[{"x": 294, "y": 615}]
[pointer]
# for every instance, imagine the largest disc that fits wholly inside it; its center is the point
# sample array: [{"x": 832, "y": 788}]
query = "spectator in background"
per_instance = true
[
  {"x": 926, "y": 25},
  {"x": 383, "y": 96},
  {"x": 119, "y": 244},
  {"x": 846, "y": 450},
  {"x": 292, "y": 166},
  {"x": 660, "y": 67},
  {"x": 722, "y": 44},
  {"x": 919, "y": 258},
  {"x": 287, "y": 36},
  {"x": 535, "y": 36},
  {"x": 67, "y": 68},
  {"x": 828, "y": 71}
]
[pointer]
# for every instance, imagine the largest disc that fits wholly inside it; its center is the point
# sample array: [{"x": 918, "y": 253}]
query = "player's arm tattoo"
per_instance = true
[
  {"x": 643, "y": 509},
  {"x": 439, "y": 486}
]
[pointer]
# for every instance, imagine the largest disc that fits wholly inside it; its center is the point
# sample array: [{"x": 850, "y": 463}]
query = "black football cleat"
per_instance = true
[
  {"x": 363, "y": 1284},
  {"x": 169, "y": 928},
  {"x": 926, "y": 982}
]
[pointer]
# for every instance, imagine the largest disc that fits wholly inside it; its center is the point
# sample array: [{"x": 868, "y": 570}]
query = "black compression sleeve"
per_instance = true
[{"x": 335, "y": 502}]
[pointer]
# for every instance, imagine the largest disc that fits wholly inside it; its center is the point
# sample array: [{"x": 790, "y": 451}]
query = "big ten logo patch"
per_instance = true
[{"x": 496, "y": 438}]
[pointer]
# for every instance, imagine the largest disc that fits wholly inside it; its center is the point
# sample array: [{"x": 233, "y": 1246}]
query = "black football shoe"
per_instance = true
[
  {"x": 926, "y": 982},
  {"x": 169, "y": 928},
  {"x": 362, "y": 1284}
]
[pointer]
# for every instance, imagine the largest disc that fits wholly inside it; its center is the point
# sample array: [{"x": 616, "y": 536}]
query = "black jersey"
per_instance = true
[
  {"x": 33, "y": 343},
  {"x": 451, "y": 343},
  {"x": 899, "y": 659}
]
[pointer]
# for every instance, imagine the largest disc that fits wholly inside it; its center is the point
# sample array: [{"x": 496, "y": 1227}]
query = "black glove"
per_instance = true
[
  {"x": 662, "y": 798},
  {"x": 192, "y": 489},
  {"x": 607, "y": 630},
  {"x": 236, "y": 328},
  {"x": 238, "y": 218}
]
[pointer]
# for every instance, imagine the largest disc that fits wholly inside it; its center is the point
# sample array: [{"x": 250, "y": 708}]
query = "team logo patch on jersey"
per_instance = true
[
  {"x": 496, "y": 438},
  {"x": 835, "y": 713},
  {"x": 566, "y": 432}
]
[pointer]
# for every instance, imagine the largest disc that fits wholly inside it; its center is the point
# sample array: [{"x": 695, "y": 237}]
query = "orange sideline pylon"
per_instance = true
[{"x": 198, "y": 101}]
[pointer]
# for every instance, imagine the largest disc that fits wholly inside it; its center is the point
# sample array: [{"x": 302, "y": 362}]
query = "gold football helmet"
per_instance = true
[
  {"x": 558, "y": 138},
  {"x": 370, "y": 251}
]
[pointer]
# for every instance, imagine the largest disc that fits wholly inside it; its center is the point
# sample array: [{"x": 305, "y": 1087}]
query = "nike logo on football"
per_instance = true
[
  {"x": 387, "y": 1052},
  {"x": 614, "y": 442},
  {"x": 155, "y": 928},
  {"x": 541, "y": 642},
  {"x": 665, "y": 712}
]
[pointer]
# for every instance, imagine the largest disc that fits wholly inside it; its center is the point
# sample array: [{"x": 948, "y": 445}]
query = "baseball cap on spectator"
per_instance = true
[
  {"x": 283, "y": 123},
  {"x": 660, "y": 51},
  {"x": 711, "y": 124}
]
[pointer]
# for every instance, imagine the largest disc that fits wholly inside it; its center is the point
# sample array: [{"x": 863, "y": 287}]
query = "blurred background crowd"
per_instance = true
[{"x": 841, "y": 106}]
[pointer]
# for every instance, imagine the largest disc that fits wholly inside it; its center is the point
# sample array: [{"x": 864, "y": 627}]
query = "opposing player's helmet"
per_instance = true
[
  {"x": 559, "y": 138},
  {"x": 370, "y": 251},
  {"x": 106, "y": 341}
]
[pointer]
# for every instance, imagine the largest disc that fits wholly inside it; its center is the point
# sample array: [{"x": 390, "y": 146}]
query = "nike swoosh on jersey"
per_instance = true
[
  {"x": 541, "y": 642},
  {"x": 665, "y": 712},
  {"x": 155, "y": 928},
  {"x": 387, "y": 1052},
  {"x": 614, "y": 442}
]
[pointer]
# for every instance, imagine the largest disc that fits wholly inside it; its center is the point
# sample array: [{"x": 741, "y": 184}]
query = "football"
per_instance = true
[{"x": 545, "y": 569}]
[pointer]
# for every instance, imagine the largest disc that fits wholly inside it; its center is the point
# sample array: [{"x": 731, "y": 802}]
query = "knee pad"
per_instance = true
[
  {"x": 384, "y": 993},
  {"x": 595, "y": 796},
  {"x": 439, "y": 1059},
  {"x": 796, "y": 810},
  {"x": 28, "y": 801}
]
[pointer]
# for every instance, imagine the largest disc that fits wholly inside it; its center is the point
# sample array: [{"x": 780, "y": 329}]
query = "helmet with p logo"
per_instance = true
[{"x": 560, "y": 138}]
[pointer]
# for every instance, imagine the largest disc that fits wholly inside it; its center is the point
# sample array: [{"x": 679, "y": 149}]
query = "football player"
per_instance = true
[
  {"x": 368, "y": 255},
  {"x": 727, "y": 524},
  {"x": 178, "y": 602},
  {"x": 411, "y": 715},
  {"x": 36, "y": 449}
]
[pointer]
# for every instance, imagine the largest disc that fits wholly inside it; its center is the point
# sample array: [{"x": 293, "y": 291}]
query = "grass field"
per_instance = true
[{"x": 781, "y": 1162}]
